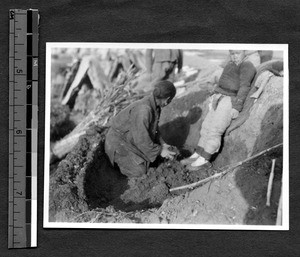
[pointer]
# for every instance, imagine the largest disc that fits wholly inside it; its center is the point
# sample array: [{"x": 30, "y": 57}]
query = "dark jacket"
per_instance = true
[
  {"x": 135, "y": 129},
  {"x": 236, "y": 81}
]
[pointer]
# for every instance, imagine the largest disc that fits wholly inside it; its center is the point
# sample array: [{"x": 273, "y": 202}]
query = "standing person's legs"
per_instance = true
[{"x": 162, "y": 71}]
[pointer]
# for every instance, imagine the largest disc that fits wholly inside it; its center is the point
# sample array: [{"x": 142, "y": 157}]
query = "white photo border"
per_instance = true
[{"x": 193, "y": 46}]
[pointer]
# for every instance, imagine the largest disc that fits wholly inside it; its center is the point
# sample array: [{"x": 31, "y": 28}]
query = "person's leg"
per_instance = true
[
  {"x": 161, "y": 71},
  {"x": 157, "y": 72},
  {"x": 207, "y": 119},
  {"x": 213, "y": 127},
  {"x": 131, "y": 165}
]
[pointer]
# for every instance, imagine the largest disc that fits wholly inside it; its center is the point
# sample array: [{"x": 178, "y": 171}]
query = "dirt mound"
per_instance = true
[
  {"x": 67, "y": 182},
  {"x": 85, "y": 180},
  {"x": 153, "y": 188},
  {"x": 237, "y": 198}
]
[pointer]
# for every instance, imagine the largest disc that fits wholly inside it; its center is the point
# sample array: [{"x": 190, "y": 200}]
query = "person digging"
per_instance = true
[
  {"x": 133, "y": 140},
  {"x": 225, "y": 105}
]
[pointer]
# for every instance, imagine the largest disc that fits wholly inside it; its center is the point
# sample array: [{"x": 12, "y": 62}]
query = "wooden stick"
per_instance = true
[
  {"x": 228, "y": 168},
  {"x": 269, "y": 191},
  {"x": 279, "y": 211}
]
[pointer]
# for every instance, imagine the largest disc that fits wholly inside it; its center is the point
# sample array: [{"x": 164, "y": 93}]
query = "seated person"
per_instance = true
[{"x": 225, "y": 105}]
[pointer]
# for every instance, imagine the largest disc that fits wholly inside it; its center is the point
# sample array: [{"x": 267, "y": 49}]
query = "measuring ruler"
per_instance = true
[{"x": 23, "y": 122}]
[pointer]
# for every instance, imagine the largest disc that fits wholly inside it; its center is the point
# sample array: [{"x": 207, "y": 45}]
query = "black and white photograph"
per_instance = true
[{"x": 166, "y": 136}]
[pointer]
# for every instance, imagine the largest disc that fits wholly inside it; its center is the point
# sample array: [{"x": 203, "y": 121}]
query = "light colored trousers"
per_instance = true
[{"x": 215, "y": 124}]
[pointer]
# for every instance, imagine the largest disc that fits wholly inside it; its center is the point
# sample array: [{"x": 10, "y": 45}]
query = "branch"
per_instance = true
[{"x": 228, "y": 168}]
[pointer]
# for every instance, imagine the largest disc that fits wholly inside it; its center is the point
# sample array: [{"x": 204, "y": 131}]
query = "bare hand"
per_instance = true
[
  {"x": 165, "y": 145},
  {"x": 234, "y": 113},
  {"x": 166, "y": 153}
]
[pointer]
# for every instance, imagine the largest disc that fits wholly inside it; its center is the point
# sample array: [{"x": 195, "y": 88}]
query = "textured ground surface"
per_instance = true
[{"x": 86, "y": 188}]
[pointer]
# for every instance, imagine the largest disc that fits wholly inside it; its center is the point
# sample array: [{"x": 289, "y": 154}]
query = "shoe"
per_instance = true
[
  {"x": 190, "y": 160},
  {"x": 199, "y": 163}
]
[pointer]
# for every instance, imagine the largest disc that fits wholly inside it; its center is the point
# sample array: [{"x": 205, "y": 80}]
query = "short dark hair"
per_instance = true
[{"x": 164, "y": 89}]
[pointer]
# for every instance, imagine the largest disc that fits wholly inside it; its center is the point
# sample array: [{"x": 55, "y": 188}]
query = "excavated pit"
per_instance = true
[
  {"x": 86, "y": 180},
  {"x": 93, "y": 183}
]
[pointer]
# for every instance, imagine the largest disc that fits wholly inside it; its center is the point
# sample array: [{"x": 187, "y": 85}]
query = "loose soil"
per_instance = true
[
  {"x": 84, "y": 187},
  {"x": 85, "y": 180}
]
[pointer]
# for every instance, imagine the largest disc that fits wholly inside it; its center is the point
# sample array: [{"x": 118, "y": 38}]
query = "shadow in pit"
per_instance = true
[
  {"x": 176, "y": 131},
  {"x": 252, "y": 178},
  {"x": 104, "y": 186},
  {"x": 103, "y": 183}
]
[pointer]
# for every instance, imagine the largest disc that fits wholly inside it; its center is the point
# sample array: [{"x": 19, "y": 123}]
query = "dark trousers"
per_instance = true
[{"x": 130, "y": 164}]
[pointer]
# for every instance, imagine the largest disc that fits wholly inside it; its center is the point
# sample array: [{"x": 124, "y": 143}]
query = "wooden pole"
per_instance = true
[
  {"x": 228, "y": 168},
  {"x": 269, "y": 191},
  {"x": 279, "y": 211}
]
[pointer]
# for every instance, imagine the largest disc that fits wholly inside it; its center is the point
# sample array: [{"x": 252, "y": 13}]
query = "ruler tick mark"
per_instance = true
[{"x": 18, "y": 231}]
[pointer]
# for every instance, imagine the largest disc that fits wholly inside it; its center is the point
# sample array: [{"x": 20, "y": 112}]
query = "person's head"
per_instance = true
[
  {"x": 236, "y": 56},
  {"x": 164, "y": 91}
]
